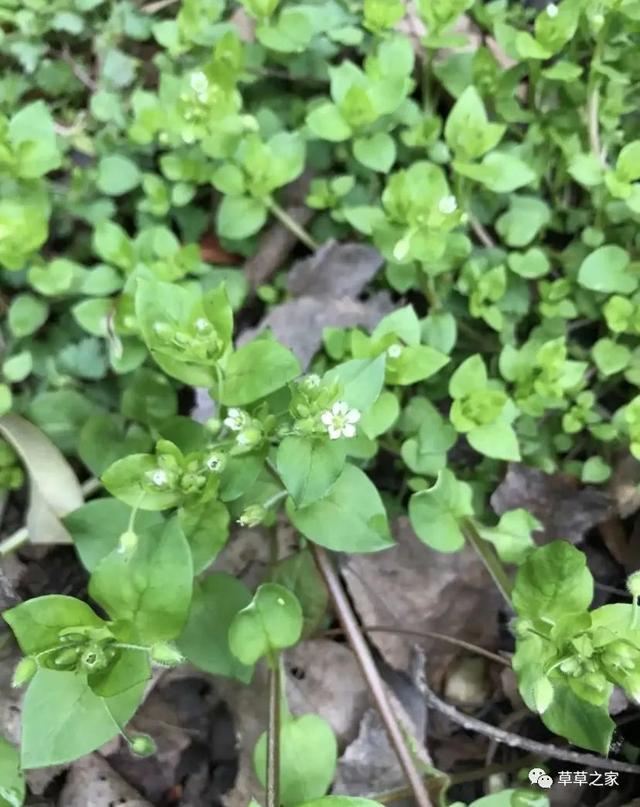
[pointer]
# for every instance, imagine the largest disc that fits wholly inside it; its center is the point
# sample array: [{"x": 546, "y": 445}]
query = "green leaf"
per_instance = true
[
  {"x": 497, "y": 440},
  {"x": 327, "y": 123},
  {"x": 512, "y": 535},
  {"x": 12, "y": 783},
  {"x": 124, "y": 480},
  {"x": 36, "y": 623},
  {"x": 531, "y": 264},
  {"x": 351, "y": 518},
  {"x": 32, "y": 135},
  {"x": 117, "y": 175},
  {"x": 500, "y": 172},
  {"x": 93, "y": 315},
  {"x": 150, "y": 587},
  {"x": 361, "y": 380},
  {"x": 206, "y": 527},
  {"x": 526, "y": 217},
  {"x": 610, "y": 357},
  {"x": 377, "y": 152},
  {"x": 579, "y": 721},
  {"x": 204, "y": 639},
  {"x": 256, "y": 370},
  {"x": 63, "y": 719},
  {"x": 299, "y": 574},
  {"x": 61, "y": 414},
  {"x": 96, "y": 528},
  {"x": 469, "y": 377},
  {"x": 606, "y": 270},
  {"x": 308, "y": 756},
  {"x": 341, "y": 801},
  {"x": 104, "y": 439},
  {"x": 552, "y": 582},
  {"x": 628, "y": 163},
  {"x": 415, "y": 363},
  {"x": 467, "y": 130},
  {"x": 309, "y": 467},
  {"x": 27, "y": 313},
  {"x": 435, "y": 513},
  {"x": 272, "y": 621},
  {"x": 240, "y": 216}
]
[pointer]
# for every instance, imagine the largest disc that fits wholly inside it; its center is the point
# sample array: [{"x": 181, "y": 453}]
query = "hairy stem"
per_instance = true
[
  {"x": 490, "y": 559},
  {"x": 292, "y": 225},
  {"x": 371, "y": 675}
]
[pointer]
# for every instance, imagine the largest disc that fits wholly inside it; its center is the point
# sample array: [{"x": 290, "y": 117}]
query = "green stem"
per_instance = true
[
  {"x": 490, "y": 559},
  {"x": 291, "y": 224},
  {"x": 277, "y": 497},
  {"x": 273, "y": 735}
]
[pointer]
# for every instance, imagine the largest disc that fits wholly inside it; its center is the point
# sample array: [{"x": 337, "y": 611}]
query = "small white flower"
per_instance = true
[
  {"x": 202, "y": 324},
  {"x": 235, "y": 419},
  {"x": 312, "y": 381},
  {"x": 394, "y": 351},
  {"x": 159, "y": 477},
  {"x": 199, "y": 84},
  {"x": 214, "y": 462},
  {"x": 552, "y": 10},
  {"x": 340, "y": 420},
  {"x": 448, "y": 205}
]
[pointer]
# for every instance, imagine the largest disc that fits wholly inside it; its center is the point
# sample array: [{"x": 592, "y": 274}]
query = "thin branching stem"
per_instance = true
[{"x": 371, "y": 676}]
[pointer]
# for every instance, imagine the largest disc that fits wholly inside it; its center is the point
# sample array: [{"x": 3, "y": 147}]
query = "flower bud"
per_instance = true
[
  {"x": 213, "y": 425},
  {"x": 142, "y": 745},
  {"x": 24, "y": 671},
  {"x": 252, "y": 516},
  {"x": 166, "y": 654},
  {"x": 128, "y": 542},
  {"x": 633, "y": 584},
  {"x": 249, "y": 437},
  {"x": 216, "y": 462}
]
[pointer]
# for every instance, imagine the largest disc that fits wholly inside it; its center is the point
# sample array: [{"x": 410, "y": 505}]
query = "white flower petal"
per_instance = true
[
  {"x": 349, "y": 430},
  {"x": 340, "y": 408},
  {"x": 334, "y": 433},
  {"x": 353, "y": 416},
  {"x": 326, "y": 418}
]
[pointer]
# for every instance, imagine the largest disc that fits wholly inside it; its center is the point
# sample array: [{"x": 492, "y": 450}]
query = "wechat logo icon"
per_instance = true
[{"x": 541, "y": 778}]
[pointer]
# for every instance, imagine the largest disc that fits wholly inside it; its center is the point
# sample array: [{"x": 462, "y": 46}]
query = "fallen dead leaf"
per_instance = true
[
  {"x": 565, "y": 509},
  {"x": 412, "y": 586},
  {"x": 92, "y": 782}
]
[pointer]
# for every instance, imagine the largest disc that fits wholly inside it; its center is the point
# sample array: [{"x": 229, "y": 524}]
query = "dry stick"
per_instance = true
[
  {"x": 427, "y": 634},
  {"x": 482, "y": 234},
  {"x": 441, "y": 636},
  {"x": 371, "y": 675},
  {"x": 151, "y": 8},
  {"x": 516, "y": 741},
  {"x": 273, "y": 736}
]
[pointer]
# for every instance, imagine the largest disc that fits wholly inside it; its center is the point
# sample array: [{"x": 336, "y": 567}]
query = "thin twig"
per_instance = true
[
  {"x": 371, "y": 675},
  {"x": 516, "y": 741},
  {"x": 78, "y": 71},
  {"x": 152, "y": 8},
  {"x": 481, "y": 233},
  {"x": 273, "y": 737},
  {"x": 292, "y": 225},
  {"x": 428, "y": 634},
  {"x": 490, "y": 559},
  {"x": 21, "y": 536}
]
